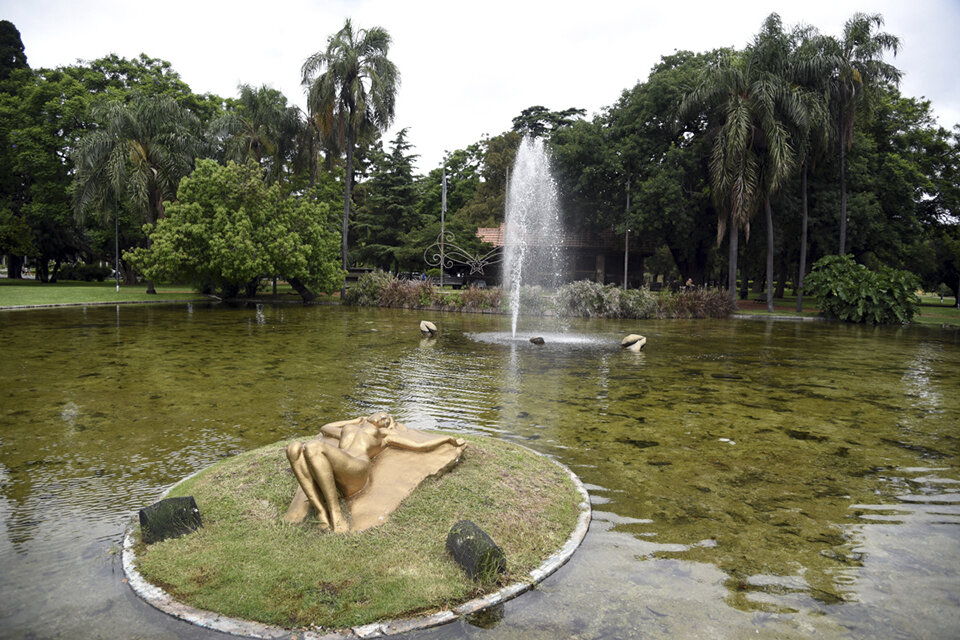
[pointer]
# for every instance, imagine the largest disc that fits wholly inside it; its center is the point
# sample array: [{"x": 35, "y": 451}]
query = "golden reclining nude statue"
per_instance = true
[{"x": 321, "y": 467}]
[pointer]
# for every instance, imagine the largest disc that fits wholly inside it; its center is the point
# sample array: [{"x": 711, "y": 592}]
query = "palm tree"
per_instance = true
[
  {"x": 137, "y": 155},
  {"x": 352, "y": 88},
  {"x": 859, "y": 70},
  {"x": 751, "y": 96},
  {"x": 811, "y": 68},
  {"x": 260, "y": 127}
]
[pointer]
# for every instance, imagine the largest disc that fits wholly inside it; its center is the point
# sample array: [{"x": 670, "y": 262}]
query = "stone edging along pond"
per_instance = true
[{"x": 158, "y": 598}]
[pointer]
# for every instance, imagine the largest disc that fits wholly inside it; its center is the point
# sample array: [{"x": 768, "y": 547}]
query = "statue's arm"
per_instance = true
[
  {"x": 333, "y": 429},
  {"x": 400, "y": 441}
]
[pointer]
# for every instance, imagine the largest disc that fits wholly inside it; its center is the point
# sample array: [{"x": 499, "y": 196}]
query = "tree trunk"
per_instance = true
[
  {"x": 781, "y": 277},
  {"x": 346, "y": 209},
  {"x": 692, "y": 266},
  {"x": 302, "y": 289},
  {"x": 128, "y": 275},
  {"x": 14, "y": 267},
  {"x": 157, "y": 207},
  {"x": 732, "y": 262},
  {"x": 766, "y": 205},
  {"x": 803, "y": 238},
  {"x": 843, "y": 181}
]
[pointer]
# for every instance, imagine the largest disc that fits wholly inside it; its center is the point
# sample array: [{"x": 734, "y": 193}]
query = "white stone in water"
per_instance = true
[
  {"x": 428, "y": 328},
  {"x": 633, "y": 342}
]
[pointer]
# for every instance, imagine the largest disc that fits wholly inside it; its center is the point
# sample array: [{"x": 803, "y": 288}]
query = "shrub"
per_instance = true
[
  {"x": 584, "y": 298},
  {"x": 849, "y": 291},
  {"x": 426, "y": 293},
  {"x": 638, "y": 303},
  {"x": 474, "y": 298},
  {"x": 593, "y": 300},
  {"x": 85, "y": 272},
  {"x": 534, "y": 301},
  {"x": 700, "y": 302},
  {"x": 399, "y": 293},
  {"x": 368, "y": 289}
]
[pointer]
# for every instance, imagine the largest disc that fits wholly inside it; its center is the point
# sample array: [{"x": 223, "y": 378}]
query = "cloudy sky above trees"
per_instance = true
[{"x": 468, "y": 68}]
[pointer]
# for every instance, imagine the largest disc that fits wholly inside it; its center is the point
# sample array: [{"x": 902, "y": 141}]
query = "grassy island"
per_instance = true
[{"x": 245, "y": 562}]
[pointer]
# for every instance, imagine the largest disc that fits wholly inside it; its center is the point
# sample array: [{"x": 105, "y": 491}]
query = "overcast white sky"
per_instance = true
[{"x": 467, "y": 68}]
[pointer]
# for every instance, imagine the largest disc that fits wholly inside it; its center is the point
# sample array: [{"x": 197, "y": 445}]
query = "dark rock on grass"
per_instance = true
[
  {"x": 169, "y": 518},
  {"x": 476, "y": 552}
]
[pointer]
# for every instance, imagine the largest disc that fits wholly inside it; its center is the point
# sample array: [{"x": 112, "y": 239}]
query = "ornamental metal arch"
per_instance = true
[{"x": 444, "y": 254}]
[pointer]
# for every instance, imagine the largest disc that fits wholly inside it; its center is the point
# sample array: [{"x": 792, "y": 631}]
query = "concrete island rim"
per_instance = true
[{"x": 160, "y": 599}]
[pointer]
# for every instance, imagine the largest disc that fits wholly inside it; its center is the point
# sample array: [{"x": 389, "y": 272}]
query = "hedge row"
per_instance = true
[{"x": 578, "y": 299}]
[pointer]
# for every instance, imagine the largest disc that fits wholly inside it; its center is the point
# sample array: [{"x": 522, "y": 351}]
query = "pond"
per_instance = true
[{"x": 776, "y": 479}]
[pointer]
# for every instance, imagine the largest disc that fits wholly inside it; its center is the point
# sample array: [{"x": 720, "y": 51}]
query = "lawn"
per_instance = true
[
  {"x": 932, "y": 311},
  {"x": 14, "y": 293}
]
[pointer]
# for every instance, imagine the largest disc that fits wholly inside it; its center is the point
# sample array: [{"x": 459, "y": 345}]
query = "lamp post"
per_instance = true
[
  {"x": 116, "y": 242},
  {"x": 443, "y": 216},
  {"x": 626, "y": 237}
]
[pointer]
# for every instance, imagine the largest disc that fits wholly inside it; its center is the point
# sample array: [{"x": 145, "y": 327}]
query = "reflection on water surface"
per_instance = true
[{"x": 776, "y": 479}]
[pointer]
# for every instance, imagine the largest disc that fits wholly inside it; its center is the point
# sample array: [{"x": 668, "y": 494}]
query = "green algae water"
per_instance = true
[{"x": 771, "y": 479}]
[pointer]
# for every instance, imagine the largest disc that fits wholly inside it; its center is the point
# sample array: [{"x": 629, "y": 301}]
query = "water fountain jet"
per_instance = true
[{"x": 533, "y": 229}]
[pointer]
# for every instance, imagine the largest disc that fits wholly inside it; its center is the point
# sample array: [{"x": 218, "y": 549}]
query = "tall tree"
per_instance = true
[
  {"x": 668, "y": 163},
  {"x": 260, "y": 126},
  {"x": 12, "y": 53},
  {"x": 752, "y": 154},
  {"x": 389, "y": 210},
  {"x": 138, "y": 155},
  {"x": 351, "y": 97},
  {"x": 539, "y": 122},
  {"x": 859, "y": 71},
  {"x": 810, "y": 67},
  {"x": 15, "y": 238}
]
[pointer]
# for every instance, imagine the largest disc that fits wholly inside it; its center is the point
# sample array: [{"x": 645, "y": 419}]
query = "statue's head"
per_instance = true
[{"x": 381, "y": 419}]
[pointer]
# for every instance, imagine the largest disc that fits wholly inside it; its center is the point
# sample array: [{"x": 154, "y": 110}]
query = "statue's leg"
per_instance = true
[
  {"x": 318, "y": 454},
  {"x": 307, "y": 485}
]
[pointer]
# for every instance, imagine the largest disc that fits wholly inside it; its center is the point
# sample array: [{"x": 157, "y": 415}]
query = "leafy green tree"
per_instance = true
[
  {"x": 590, "y": 174},
  {"x": 227, "y": 229},
  {"x": 49, "y": 110},
  {"x": 113, "y": 77},
  {"x": 486, "y": 206},
  {"x": 540, "y": 122},
  {"x": 667, "y": 163},
  {"x": 139, "y": 154},
  {"x": 352, "y": 92},
  {"x": 859, "y": 70}
]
